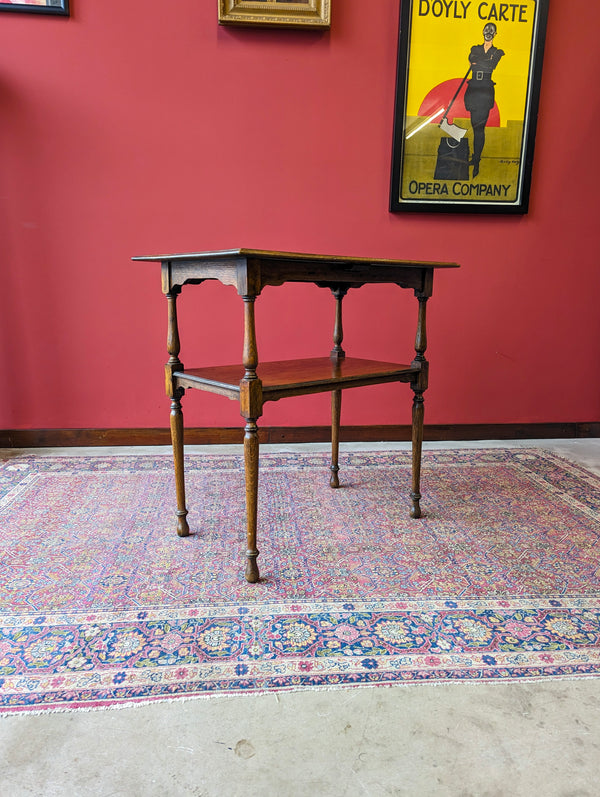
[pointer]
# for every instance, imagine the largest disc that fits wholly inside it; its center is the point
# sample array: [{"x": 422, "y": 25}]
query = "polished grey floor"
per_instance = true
[{"x": 468, "y": 740}]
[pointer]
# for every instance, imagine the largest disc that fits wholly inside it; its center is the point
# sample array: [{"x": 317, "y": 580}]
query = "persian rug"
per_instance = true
[{"x": 102, "y": 604}]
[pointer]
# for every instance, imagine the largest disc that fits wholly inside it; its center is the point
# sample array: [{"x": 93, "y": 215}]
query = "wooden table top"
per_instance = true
[{"x": 290, "y": 257}]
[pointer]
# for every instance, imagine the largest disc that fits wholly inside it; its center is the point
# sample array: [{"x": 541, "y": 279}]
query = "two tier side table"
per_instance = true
[{"x": 252, "y": 383}]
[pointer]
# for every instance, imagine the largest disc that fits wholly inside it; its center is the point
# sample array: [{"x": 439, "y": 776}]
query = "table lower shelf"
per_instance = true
[{"x": 297, "y": 377}]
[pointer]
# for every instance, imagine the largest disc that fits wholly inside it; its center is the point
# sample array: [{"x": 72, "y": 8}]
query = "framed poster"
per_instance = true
[
  {"x": 37, "y": 6},
  {"x": 266, "y": 13},
  {"x": 467, "y": 94}
]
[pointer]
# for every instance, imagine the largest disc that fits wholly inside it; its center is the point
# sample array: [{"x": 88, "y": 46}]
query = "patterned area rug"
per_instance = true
[{"x": 102, "y": 604}]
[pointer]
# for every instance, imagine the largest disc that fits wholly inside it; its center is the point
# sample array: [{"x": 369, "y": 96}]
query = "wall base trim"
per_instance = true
[{"x": 44, "y": 438}]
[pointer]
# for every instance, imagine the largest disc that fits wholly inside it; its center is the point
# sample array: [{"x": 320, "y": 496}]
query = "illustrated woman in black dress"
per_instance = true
[{"x": 480, "y": 95}]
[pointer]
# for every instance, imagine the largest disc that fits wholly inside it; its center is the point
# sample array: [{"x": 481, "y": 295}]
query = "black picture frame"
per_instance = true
[
  {"x": 56, "y": 7},
  {"x": 439, "y": 163}
]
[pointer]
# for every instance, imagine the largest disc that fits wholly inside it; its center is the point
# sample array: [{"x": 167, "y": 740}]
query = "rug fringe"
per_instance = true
[{"x": 277, "y": 692}]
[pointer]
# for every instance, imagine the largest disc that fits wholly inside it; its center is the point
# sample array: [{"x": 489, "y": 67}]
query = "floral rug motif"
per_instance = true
[{"x": 102, "y": 604}]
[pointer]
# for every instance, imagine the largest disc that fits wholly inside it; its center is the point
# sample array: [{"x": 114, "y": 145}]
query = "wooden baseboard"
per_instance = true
[{"x": 44, "y": 438}]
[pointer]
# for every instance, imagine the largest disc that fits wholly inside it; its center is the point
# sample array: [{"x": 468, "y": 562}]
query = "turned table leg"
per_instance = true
[
  {"x": 337, "y": 354},
  {"x": 419, "y": 385},
  {"x": 336, "y": 408},
  {"x": 183, "y": 529},
  {"x": 176, "y": 421},
  {"x": 417, "y": 444},
  {"x": 251, "y": 466},
  {"x": 251, "y": 409}
]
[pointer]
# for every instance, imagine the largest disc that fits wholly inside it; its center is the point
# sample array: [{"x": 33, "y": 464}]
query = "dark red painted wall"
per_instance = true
[{"x": 142, "y": 127}]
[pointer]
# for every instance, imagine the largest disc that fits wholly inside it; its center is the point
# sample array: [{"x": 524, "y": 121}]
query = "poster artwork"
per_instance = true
[
  {"x": 466, "y": 106},
  {"x": 60, "y": 7}
]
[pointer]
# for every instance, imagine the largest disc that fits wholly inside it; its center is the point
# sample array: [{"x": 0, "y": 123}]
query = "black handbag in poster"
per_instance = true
[
  {"x": 452, "y": 159},
  {"x": 468, "y": 81}
]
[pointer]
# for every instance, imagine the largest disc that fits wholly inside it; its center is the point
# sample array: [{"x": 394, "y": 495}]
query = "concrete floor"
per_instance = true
[{"x": 479, "y": 740}]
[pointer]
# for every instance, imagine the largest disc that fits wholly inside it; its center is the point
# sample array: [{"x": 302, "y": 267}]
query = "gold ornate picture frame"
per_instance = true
[{"x": 268, "y": 13}]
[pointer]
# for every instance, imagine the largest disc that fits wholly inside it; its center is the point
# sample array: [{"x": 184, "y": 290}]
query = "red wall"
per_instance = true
[{"x": 142, "y": 127}]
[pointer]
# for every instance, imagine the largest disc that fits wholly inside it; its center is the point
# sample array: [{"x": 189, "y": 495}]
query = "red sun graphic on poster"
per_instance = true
[{"x": 441, "y": 96}]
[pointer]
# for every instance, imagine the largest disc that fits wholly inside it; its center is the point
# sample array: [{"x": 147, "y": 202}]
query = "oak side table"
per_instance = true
[{"x": 253, "y": 384}]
